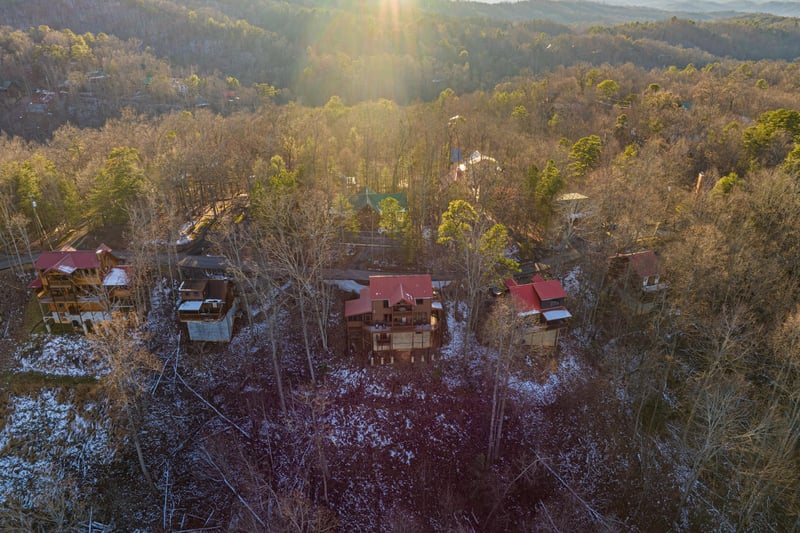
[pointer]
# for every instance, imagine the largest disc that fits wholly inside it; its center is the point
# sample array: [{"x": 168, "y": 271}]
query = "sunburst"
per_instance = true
[{"x": 390, "y": 12}]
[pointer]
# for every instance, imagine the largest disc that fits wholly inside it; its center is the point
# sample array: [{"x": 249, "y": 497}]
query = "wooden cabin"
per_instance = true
[
  {"x": 395, "y": 317},
  {"x": 539, "y": 306},
  {"x": 636, "y": 280},
  {"x": 208, "y": 309},
  {"x": 81, "y": 287}
]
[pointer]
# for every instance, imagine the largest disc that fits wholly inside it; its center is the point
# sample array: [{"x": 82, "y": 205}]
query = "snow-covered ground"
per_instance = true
[
  {"x": 555, "y": 383},
  {"x": 50, "y": 439},
  {"x": 48, "y": 445},
  {"x": 571, "y": 281},
  {"x": 380, "y": 426},
  {"x": 541, "y": 390},
  {"x": 348, "y": 285},
  {"x": 59, "y": 355}
]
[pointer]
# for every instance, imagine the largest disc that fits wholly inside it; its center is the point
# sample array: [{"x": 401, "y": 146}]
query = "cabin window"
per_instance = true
[
  {"x": 367, "y": 317},
  {"x": 548, "y": 304}
]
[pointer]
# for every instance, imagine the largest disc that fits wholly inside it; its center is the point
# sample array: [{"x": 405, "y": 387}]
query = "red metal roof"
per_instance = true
[
  {"x": 70, "y": 259},
  {"x": 549, "y": 290},
  {"x": 397, "y": 288},
  {"x": 529, "y": 297},
  {"x": 360, "y": 306},
  {"x": 645, "y": 264},
  {"x": 82, "y": 259},
  {"x": 525, "y": 298}
]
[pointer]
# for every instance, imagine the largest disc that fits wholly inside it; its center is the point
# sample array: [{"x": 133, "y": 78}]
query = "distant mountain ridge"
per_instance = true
[
  {"x": 576, "y": 12},
  {"x": 783, "y": 9},
  {"x": 312, "y": 49},
  {"x": 570, "y": 12},
  {"x": 651, "y": 9}
]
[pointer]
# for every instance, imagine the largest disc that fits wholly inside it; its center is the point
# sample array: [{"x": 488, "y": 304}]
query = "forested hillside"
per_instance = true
[
  {"x": 405, "y": 54},
  {"x": 680, "y": 137}
]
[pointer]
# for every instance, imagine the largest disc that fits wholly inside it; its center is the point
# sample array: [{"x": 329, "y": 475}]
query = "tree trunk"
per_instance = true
[
  {"x": 276, "y": 367},
  {"x": 139, "y": 454},
  {"x": 306, "y": 342}
]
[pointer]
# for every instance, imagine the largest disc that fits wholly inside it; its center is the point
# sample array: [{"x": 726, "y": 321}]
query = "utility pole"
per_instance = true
[{"x": 39, "y": 225}]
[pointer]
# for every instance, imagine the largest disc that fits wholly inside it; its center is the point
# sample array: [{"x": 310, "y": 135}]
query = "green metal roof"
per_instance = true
[{"x": 366, "y": 197}]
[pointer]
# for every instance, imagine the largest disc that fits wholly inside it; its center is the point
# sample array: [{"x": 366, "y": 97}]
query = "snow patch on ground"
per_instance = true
[
  {"x": 541, "y": 394},
  {"x": 161, "y": 319},
  {"x": 60, "y": 355},
  {"x": 458, "y": 331},
  {"x": 45, "y": 441},
  {"x": 358, "y": 424},
  {"x": 571, "y": 281},
  {"x": 250, "y": 339},
  {"x": 347, "y": 285},
  {"x": 348, "y": 379}
]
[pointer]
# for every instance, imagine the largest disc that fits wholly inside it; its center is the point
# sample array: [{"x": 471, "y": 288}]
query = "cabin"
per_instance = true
[
  {"x": 574, "y": 207},
  {"x": 636, "y": 279},
  {"x": 475, "y": 171},
  {"x": 395, "y": 318},
  {"x": 206, "y": 266},
  {"x": 366, "y": 204},
  {"x": 10, "y": 92},
  {"x": 41, "y": 102},
  {"x": 208, "y": 308},
  {"x": 81, "y": 287},
  {"x": 540, "y": 310}
]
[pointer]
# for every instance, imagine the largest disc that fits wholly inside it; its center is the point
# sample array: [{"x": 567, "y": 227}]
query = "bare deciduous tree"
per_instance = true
[
  {"x": 298, "y": 234},
  {"x": 256, "y": 280},
  {"x": 503, "y": 333},
  {"x": 119, "y": 345}
]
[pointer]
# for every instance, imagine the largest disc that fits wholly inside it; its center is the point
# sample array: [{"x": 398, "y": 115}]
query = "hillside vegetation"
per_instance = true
[
  {"x": 683, "y": 419},
  {"x": 311, "y": 52}
]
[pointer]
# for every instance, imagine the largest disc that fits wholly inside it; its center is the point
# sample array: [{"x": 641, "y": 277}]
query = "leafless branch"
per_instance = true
[
  {"x": 233, "y": 489},
  {"x": 217, "y": 411}
]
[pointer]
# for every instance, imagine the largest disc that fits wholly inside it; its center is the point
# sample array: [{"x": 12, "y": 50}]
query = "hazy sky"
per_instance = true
[
  {"x": 700, "y": 5},
  {"x": 651, "y": 3}
]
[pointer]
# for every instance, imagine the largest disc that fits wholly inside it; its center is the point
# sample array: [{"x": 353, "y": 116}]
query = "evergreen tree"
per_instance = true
[{"x": 117, "y": 185}]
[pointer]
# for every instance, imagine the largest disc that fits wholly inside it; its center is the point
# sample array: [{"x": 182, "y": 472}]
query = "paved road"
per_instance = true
[
  {"x": 204, "y": 262},
  {"x": 363, "y": 275},
  {"x": 333, "y": 273},
  {"x": 6, "y": 261}
]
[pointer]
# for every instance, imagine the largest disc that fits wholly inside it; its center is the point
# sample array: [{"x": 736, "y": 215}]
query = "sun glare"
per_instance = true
[{"x": 389, "y": 12}]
